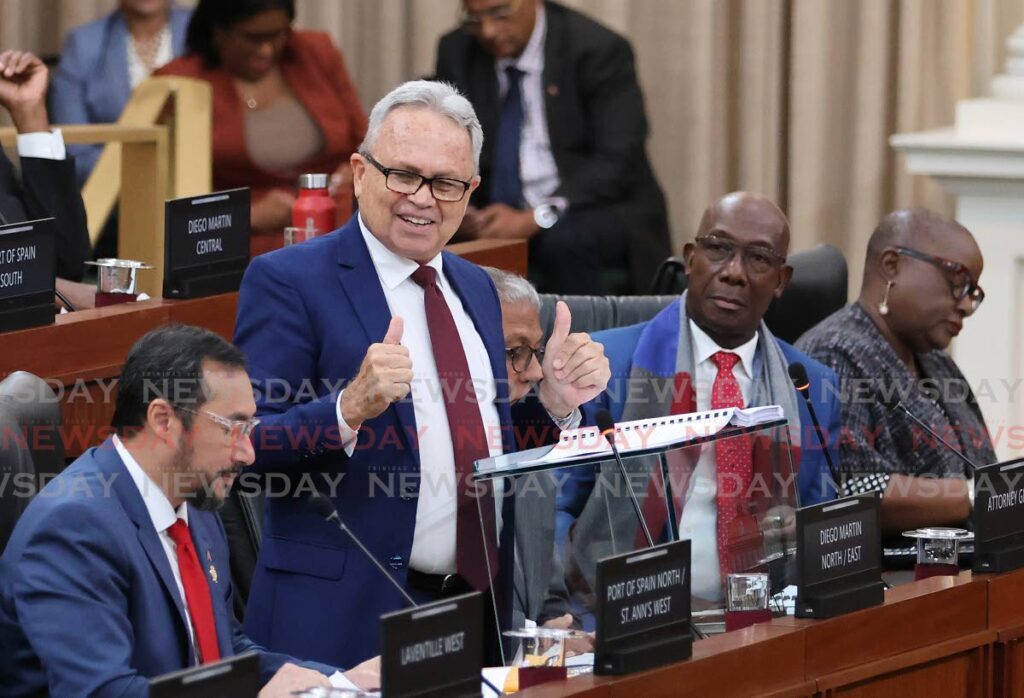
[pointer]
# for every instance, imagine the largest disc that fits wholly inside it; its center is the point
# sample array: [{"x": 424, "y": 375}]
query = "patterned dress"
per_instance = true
[{"x": 877, "y": 441}]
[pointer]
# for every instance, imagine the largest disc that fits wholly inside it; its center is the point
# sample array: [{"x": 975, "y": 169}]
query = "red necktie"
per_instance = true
[
  {"x": 732, "y": 457},
  {"x": 469, "y": 441},
  {"x": 197, "y": 592}
]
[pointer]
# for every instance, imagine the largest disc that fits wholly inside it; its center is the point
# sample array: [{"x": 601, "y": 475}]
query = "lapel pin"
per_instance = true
[
  {"x": 553, "y": 90},
  {"x": 213, "y": 574}
]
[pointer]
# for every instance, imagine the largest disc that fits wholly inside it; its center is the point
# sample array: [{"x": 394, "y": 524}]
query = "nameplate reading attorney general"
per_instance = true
[
  {"x": 27, "y": 274},
  {"x": 643, "y": 609},
  {"x": 839, "y": 553},
  {"x": 999, "y": 517},
  {"x": 433, "y": 650},
  {"x": 206, "y": 243}
]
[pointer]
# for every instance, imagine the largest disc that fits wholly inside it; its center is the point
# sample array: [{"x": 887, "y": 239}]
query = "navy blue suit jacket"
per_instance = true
[
  {"x": 813, "y": 481},
  {"x": 88, "y": 602},
  {"x": 306, "y": 316}
]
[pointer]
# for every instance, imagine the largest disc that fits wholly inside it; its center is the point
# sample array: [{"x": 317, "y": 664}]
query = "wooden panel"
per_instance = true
[
  {"x": 141, "y": 212},
  {"x": 916, "y": 615},
  {"x": 964, "y": 656},
  {"x": 1006, "y": 600},
  {"x": 216, "y": 313},
  {"x": 754, "y": 661},
  {"x": 509, "y": 255},
  {"x": 959, "y": 676}
]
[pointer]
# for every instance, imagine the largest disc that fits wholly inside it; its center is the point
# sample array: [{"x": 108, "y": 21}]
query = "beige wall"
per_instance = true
[{"x": 793, "y": 98}]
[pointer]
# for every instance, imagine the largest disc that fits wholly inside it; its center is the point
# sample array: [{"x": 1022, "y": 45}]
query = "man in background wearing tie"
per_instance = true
[
  {"x": 380, "y": 367},
  {"x": 565, "y": 164},
  {"x": 118, "y": 570},
  {"x": 708, "y": 350}
]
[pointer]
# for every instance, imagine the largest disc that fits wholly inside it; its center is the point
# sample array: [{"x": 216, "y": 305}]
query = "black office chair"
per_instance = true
[
  {"x": 31, "y": 446},
  {"x": 242, "y": 515},
  {"x": 817, "y": 290}
]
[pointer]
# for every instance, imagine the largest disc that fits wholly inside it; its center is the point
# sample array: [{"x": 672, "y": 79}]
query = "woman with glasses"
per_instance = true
[
  {"x": 920, "y": 284},
  {"x": 283, "y": 104}
]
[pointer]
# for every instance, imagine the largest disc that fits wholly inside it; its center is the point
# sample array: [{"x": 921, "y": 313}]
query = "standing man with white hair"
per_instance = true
[{"x": 379, "y": 365}]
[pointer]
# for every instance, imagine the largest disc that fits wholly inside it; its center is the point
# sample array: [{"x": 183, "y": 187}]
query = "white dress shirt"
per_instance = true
[
  {"x": 699, "y": 520},
  {"x": 538, "y": 171},
  {"x": 48, "y": 145},
  {"x": 163, "y": 516},
  {"x": 433, "y": 543}
]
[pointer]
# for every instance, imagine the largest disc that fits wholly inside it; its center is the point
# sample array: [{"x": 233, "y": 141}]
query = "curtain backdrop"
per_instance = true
[{"x": 792, "y": 98}]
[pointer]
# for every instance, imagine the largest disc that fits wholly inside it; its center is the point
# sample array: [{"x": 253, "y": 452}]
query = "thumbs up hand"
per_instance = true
[
  {"x": 575, "y": 367},
  {"x": 384, "y": 377}
]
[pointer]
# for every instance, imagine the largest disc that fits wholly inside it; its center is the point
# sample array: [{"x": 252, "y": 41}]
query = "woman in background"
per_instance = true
[
  {"x": 921, "y": 279},
  {"x": 103, "y": 61},
  {"x": 283, "y": 104}
]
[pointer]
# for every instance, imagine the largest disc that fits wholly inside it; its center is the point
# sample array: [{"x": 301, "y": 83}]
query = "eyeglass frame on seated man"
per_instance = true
[
  {"x": 388, "y": 171},
  {"x": 512, "y": 352},
  {"x": 773, "y": 260},
  {"x": 948, "y": 266},
  {"x": 245, "y": 426}
]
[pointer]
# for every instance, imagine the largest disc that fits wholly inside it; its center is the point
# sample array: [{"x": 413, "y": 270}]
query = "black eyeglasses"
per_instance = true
[
  {"x": 758, "y": 259},
  {"x": 520, "y": 357},
  {"x": 961, "y": 283},
  {"x": 498, "y": 13},
  {"x": 408, "y": 183}
]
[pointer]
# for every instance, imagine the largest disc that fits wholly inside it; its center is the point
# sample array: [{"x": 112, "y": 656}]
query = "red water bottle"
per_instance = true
[{"x": 314, "y": 211}]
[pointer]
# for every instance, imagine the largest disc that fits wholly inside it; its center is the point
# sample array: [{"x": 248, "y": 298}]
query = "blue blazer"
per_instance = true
[
  {"x": 88, "y": 602},
  {"x": 814, "y": 480},
  {"x": 91, "y": 83},
  {"x": 306, "y": 316}
]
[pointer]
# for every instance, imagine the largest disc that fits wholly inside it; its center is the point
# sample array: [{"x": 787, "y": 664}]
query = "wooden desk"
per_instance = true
[
  {"x": 945, "y": 636},
  {"x": 81, "y": 354}
]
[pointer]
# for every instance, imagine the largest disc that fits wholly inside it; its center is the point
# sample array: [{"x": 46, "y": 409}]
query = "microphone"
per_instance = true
[
  {"x": 798, "y": 374},
  {"x": 892, "y": 403},
  {"x": 606, "y": 425},
  {"x": 323, "y": 506}
]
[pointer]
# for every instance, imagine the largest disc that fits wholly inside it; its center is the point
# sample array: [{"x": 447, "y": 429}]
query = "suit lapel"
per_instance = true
[
  {"x": 359, "y": 281},
  {"x": 108, "y": 459},
  {"x": 552, "y": 82}
]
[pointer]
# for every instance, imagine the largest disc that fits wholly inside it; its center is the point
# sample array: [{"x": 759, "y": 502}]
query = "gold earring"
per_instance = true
[{"x": 883, "y": 307}]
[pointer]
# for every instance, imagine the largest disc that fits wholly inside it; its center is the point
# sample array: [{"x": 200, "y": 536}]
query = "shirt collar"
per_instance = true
[
  {"x": 531, "y": 60},
  {"x": 393, "y": 269},
  {"x": 159, "y": 507},
  {"x": 704, "y": 347}
]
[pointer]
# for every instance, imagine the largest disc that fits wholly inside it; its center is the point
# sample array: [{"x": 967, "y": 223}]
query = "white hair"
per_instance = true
[
  {"x": 439, "y": 97},
  {"x": 513, "y": 288}
]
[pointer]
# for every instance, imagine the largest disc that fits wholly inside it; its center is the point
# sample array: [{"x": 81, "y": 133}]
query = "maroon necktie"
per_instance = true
[
  {"x": 197, "y": 593},
  {"x": 469, "y": 440}
]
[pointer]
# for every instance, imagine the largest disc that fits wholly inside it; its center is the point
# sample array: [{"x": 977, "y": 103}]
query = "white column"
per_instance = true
[{"x": 981, "y": 161}]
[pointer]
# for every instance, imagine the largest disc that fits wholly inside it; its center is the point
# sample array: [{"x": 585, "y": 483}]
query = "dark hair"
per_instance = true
[
  {"x": 224, "y": 14},
  {"x": 167, "y": 363}
]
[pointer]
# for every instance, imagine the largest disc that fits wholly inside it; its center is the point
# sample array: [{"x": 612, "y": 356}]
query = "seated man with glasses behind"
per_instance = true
[
  {"x": 564, "y": 163},
  {"x": 710, "y": 349},
  {"x": 920, "y": 282}
]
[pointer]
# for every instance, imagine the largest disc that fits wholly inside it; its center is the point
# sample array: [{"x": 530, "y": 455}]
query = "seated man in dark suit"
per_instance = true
[
  {"x": 47, "y": 186},
  {"x": 540, "y": 591},
  {"x": 708, "y": 350},
  {"x": 564, "y": 162},
  {"x": 118, "y": 570}
]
